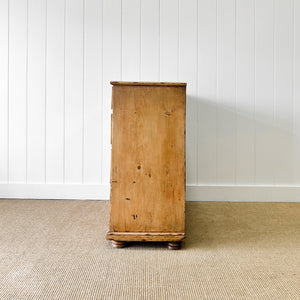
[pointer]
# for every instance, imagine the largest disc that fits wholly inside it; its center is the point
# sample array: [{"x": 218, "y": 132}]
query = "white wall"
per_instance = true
[{"x": 240, "y": 58}]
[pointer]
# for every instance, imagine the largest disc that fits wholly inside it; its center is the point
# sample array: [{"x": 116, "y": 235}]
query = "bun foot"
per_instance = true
[
  {"x": 174, "y": 245},
  {"x": 118, "y": 244}
]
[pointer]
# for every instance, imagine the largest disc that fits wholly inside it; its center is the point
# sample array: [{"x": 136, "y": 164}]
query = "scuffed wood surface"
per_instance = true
[
  {"x": 148, "y": 160},
  {"x": 148, "y": 83},
  {"x": 145, "y": 236}
]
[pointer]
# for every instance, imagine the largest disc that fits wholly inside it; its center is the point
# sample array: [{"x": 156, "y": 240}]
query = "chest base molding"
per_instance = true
[{"x": 146, "y": 236}]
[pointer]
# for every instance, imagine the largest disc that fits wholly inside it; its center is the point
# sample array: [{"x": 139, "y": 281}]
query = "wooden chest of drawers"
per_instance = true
[{"x": 147, "y": 198}]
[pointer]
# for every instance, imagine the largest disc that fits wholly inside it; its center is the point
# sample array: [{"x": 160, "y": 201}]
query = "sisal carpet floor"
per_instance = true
[{"x": 57, "y": 250}]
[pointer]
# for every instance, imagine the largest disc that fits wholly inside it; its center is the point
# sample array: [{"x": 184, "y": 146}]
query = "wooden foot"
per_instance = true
[
  {"x": 118, "y": 244},
  {"x": 174, "y": 245}
]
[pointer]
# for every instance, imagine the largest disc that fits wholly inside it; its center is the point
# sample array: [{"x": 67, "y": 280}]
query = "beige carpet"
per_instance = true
[{"x": 57, "y": 250}]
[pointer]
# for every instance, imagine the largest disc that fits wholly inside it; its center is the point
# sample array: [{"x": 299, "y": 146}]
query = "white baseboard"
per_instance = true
[
  {"x": 55, "y": 191},
  {"x": 243, "y": 193},
  {"x": 193, "y": 192}
]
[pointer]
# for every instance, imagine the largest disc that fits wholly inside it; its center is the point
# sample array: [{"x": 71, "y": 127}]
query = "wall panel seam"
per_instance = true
[
  {"x": 159, "y": 42},
  {"x": 254, "y": 91},
  {"x": 102, "y": 85},
  {"x": 235, "y": 94},
  {"x": 83, "y": 91},
  {"x": 197, "y": 93},
  {"x": 26, "y": 129},
  {"x": 45, "y": 112},
  {"x": 64, "y": 104},
  {"x": 8, "y": 84},
  {"x": 217, "y": 93},
  {"x": 274, "y": 71}
]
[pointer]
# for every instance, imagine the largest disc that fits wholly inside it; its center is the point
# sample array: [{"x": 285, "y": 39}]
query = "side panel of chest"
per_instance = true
[{"x": 148, "y": 160}]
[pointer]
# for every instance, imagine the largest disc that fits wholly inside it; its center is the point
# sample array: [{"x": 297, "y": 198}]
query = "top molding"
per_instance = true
[{"x": 148, "y": 83}]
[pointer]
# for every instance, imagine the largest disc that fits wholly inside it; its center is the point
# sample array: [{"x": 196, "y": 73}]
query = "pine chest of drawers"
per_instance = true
[{"x": 147, "y": 197}]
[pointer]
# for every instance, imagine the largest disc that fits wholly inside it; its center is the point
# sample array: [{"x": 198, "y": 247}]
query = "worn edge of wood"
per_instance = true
[
  {"x": 148, "y": 83},
  {"x": 146, "y": 236}
]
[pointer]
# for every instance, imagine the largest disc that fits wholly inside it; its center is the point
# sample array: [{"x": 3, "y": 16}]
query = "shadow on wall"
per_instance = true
[{"x": 238, "y": 143}]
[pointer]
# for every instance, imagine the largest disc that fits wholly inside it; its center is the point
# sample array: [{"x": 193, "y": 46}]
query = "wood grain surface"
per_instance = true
[
  {"x": 145, "y": 236},
  {"x": 148, "y": 83},
  {"x": 148, "y": 160}
]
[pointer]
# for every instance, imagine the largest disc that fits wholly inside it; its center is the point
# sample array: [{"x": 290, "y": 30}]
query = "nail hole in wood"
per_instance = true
[{"x": 134, "y": 216}]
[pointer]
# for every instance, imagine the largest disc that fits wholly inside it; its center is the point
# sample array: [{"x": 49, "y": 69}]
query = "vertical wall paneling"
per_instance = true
[
  {"x": 17, "y": 90},
  {"x": 169, "y": 25},
  {"x": 112, "y": 65},
  {"x": 226, "y": 92},
  {"x": 296, "y": 92},
  {"x": 4, "y": 61},
  {"x": 92, "y": 91},
  {"x": 264, "y": 92},
  {"x": 36, "y": 91},
  {"x": 240, "y": 59},
  {"x": 150, "y": 40},
  {"x": 74, "y": 101},
  {"x": 187, "y": 69},
  {"x": 207, "y": 96},
  {"x": 283, "y": 110},
  {"x": 55, "y": 91},
  {"x": 245, "y": 143},
  {"x": 131, "y": 40}
]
